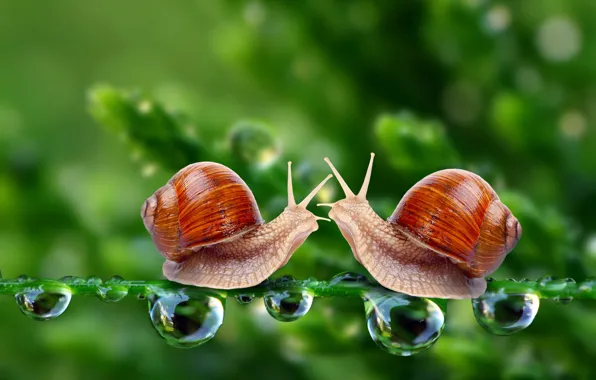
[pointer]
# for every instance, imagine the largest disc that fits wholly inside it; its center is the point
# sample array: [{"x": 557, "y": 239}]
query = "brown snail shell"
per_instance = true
[
  {"x": 203, "y": 204},
  {"x": 457, "y": 214}
]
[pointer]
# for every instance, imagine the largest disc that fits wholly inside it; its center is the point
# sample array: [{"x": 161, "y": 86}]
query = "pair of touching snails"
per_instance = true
[{"x": 447, "y": 233}]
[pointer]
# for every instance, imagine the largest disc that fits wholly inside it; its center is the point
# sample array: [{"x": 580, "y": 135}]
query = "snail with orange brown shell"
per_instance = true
[
  {"x": 205, "y": 221},
  {"x": 447, "y": 232}
]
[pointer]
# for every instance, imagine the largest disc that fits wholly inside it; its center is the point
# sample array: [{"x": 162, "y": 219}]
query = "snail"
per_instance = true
[
  {"x": 447, "y": 232},
  {"x": 206, "y": 223}
]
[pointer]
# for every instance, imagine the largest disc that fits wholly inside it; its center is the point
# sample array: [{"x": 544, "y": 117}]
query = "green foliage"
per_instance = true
[
  {"x": 146, "y": 126},
  {"x": 415, "y": 145}
]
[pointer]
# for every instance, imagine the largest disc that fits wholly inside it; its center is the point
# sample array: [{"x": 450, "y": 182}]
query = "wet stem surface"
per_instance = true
[{"x": 401, "y": 325}]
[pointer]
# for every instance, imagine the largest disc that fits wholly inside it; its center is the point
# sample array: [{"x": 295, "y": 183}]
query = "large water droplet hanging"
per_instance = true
[
  {"x": 183, "y": 321},
  {"x": 505, "y": 314},
  {"x": 44, "y": 302},
  {"x": 288, "y": 305},
  {"x": 400, "y": 324}
]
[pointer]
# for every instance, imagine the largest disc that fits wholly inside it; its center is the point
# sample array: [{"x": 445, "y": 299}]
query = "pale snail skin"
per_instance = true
[
  {"x": 403, "y": 263},
  {"x": 246, "y": 258}
]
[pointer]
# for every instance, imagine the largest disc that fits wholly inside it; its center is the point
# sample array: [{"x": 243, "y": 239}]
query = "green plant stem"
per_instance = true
[
  {"x": 144, "y": 288},
  {"x": 546, "y": 288}
]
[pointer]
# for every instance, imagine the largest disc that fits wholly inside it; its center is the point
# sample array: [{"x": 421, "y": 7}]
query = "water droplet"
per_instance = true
[
  {"x": 286, "y": 278},
  {"x": 24, "y": 278},
  {"x": 543, "y": 281},
  {"x": 45, "y": 302},
  {"x": 112, "y": 293},
  {"x": 73, "y": 280},
  {"x": 561, "y": 288},
  {"x": 254, "y": 143},
  {"x": 505, "y": 314},
  {"x": 557, "y": 283},
  {"x": 564, "y": 297},
  {"x": 183, "y": 321},
  {"x": 245, "y": 299},
  {"x": 563, "y": 300},
  {"x": 349, "y": 279},
  {"x": 94, "y": 281},
  {"x": 112, "y": 290},
  {"x": 586, "y": 286},
  {"x": 400, "y": 324},
  {"x": 288, "y": 305}
]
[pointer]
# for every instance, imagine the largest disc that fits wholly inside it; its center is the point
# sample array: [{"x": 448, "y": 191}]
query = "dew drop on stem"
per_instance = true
[
  {"x": 24, "y": 278},
  {"x": 185, "y": 321},
  {"x": 505, "y": 314},
  {"x": 400, "y": 324},
  {"x": 112, "y": 290},
  {"x": 244, "y": 299},
  {"x": 563, "y": 300},
  {"x": 112, "y": 293},
  {"x": 349, "y": 279},
  {"x": 288, "y": 305},
  {"x": 94, "y": 281},
  {"x": 73, "y": 280},
  {"x": 44, "y": 302}
]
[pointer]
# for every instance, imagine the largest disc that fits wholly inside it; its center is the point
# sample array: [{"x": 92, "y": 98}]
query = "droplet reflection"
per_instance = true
[
  {"x": 186, "y": 322},
  {"x": 400, "y": 324},
  {"x": 349, "y": 279},
  {"x": 505, "y": 314},
  {"x": 244, "y": 299},
  {"x": 44, "y": 303},
  {"x": 112, "y": 290},
  {"x": 288, "y": 305}
]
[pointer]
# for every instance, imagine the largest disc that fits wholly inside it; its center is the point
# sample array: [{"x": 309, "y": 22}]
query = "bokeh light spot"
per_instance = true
[{"x": 559, "y": 39}]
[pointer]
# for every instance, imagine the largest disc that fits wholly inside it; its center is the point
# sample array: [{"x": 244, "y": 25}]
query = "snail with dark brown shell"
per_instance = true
[
  {"x": 205, "y": 221},
  {"x": 447, "y": 232}
]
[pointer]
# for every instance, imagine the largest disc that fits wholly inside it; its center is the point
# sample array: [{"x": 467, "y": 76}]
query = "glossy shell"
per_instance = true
[
  {"x": 457, "y": 214},
  {"x": 203, "y": 204}
]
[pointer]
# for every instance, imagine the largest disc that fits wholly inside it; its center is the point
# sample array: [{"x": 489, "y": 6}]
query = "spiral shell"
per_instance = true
[
  {"x": 457, "y": 214},
  {"x": 203, "y": 204}
]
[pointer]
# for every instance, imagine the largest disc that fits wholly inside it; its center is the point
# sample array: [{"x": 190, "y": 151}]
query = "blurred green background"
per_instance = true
[{"x": 101, "y": 102}]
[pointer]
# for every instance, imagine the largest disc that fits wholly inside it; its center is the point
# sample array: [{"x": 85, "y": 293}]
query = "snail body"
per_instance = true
[
  {"x": 447, "y": 232},
  {"x": 206, "y": 223}
]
